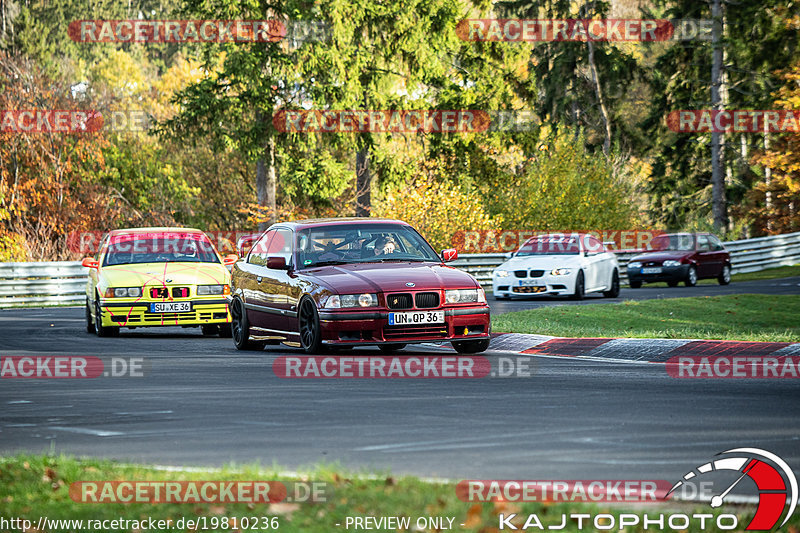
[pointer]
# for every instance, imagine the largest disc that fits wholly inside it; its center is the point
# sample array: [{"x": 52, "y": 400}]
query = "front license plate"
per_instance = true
[
  {"x": 171, "y": 307},
  {"x": 422, "y": 317},
  {"x": 530, "y": 283},
  {"x": 654, "y": 270}
]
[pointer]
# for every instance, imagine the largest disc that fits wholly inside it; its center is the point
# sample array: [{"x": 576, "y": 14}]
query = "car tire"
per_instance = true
[
  {"x": 225, "y": 331},
  {"x": 613, "y": 292},
  {"x": 309, "y": 327},
  {"x": 476, "y": 346},
  {"x": 580, "y": 287},
  {"x": 89, "y": 323},
  {"x": 635, "y": 284},
  {"x": 240, "y": 328},
  {"x": 391, "y": 348},
  {"x": 99, "y": 329},
  {"x": 725, "y": 276},
  {"x": 691, "y": 277},
  {"x": 209, "y": 329},
  {"x": 673, "y": 283}
]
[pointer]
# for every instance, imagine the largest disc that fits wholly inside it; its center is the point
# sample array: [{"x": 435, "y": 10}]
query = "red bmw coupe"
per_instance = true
[{"x": 353, "y": 281}]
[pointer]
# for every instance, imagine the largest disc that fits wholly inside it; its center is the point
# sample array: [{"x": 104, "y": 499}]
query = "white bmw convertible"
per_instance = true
[{"x": 571, "y": 264}]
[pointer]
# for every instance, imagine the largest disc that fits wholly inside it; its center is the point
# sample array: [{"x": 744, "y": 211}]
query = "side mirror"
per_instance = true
[
  {"x": 244, "y": 244},
  {"x": 277, "y": 263},
  {"x": 90, "y": 263},
  {"x": 508, "y": 255},
  {"x": 230, "y": 259},
  {"x": 449, "y": 254}
]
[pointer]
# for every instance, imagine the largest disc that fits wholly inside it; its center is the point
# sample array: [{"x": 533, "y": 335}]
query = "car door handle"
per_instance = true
[{"x": 258, "y": 279}]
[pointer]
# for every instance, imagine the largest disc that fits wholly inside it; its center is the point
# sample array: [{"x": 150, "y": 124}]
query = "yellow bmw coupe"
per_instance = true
[{"x": 146, "y": 277}]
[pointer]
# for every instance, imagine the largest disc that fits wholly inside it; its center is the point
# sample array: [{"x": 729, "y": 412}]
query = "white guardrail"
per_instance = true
[{"x": 63, "y": 282}]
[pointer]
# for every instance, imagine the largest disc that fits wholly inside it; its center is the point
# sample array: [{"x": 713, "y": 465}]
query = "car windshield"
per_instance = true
[
  {"x": 679, "y": 242},
  {"x": 550, "y": 245},
  {"x": 361, "y": 243},
  {"x": 160, "y": 248}
]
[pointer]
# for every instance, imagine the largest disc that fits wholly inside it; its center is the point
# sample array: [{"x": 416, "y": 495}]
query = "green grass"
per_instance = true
[
  {"x": 38, "y": 486},
  {"x": 748, "y": 317}
]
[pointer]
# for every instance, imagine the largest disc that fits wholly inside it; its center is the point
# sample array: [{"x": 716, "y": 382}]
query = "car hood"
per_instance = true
[
  {"x": 390, "y": 277},
  {"x": 147, "y": 274},
  {"x": 541, "y": 262},
  {"x": 660, "y": 257}
]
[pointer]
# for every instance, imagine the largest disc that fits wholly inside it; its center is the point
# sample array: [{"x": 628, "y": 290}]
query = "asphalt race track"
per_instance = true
[{"x": 202, "y": 402}]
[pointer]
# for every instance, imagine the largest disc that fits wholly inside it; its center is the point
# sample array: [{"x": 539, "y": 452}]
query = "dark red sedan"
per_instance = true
[
  {"x": 353, "y": 281},
  {"x": 685, "y": 257}
]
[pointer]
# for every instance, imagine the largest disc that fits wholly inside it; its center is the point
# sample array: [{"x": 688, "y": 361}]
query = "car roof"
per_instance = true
[
  {"x": 333, "y": 221},
  {"x": 155, "y": 230},
  {"x": 571, "y": 235}
]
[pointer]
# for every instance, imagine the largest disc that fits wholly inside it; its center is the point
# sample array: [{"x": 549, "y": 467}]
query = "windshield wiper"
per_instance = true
[
  {"x": 399, "y": 259},
  {"x": 327, "y": 263}
]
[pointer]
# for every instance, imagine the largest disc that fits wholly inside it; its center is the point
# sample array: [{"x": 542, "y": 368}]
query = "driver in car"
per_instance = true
[{"x": 385, "y": 245}]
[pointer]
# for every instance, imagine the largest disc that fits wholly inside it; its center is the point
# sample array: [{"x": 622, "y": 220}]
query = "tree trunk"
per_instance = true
[
  {"x": 768, "y": 182},
  {"x": 266, "y": 181},
  {"x": 600, "y": 100},
  {"x": 718, "y": 203},
  {"x": 363, "y": 182}
]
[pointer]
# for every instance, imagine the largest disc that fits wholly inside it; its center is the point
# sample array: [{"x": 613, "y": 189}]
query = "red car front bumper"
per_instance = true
[{"x": 356, "y": 327}]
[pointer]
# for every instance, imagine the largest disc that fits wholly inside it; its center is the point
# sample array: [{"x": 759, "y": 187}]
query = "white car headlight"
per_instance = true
[
  {"x": 501, "y": 273},
  {"x": 123, "y": 292},
  {"x": 460, "y": 296},
  {"x": 336, "y": 301},
  {"x": 208, "y": 290},
  {"x": 561, "y": 271},
  {"x": 634, "y": 264},
  {"x": 368, "y": 300},
  {"x": 671, "y": 263}
]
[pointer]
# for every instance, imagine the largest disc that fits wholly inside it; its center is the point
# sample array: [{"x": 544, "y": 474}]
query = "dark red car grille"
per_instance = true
[
  {"x": 426, "y": 300},
  {"x": 430, "y": 331},
  {"x": 399, "y": 301}
]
